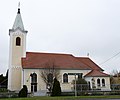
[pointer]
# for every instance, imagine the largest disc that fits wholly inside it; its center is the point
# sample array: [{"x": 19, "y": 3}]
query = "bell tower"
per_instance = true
[{"x": 17, "y": 50}]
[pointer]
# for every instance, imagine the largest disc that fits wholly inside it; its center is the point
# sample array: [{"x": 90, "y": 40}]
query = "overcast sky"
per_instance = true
[{"x": 74, "y": 27}]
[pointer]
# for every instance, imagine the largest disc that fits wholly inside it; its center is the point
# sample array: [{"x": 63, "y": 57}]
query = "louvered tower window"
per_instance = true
[{"x": 18, "y": 41}]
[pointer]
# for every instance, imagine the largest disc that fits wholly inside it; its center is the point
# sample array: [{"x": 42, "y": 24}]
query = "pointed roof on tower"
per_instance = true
[{"x": 18, "y": 23}]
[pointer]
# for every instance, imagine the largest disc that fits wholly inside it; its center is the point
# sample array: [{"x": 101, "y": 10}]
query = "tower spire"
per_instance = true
[{"x": 18, "y": 23}]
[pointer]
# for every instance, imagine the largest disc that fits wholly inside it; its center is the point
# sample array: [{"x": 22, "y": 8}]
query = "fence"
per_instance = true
[
  {"x": 115, "y": 87},
  {"x": 81, "y": 89},
  {"x": 85, "y": 89}
]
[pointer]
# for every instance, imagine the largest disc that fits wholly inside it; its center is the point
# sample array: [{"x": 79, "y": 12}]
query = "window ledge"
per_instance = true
[{"x": 66, "y": 83}]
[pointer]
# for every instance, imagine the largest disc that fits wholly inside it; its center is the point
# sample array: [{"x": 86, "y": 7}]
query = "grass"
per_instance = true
[{"x": 61, "y": 98}]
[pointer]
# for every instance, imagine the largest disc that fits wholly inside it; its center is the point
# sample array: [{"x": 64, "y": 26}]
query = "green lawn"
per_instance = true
[{"x": 60, "y": 98}]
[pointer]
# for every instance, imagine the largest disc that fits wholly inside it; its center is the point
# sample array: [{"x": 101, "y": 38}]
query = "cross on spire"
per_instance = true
[
  {"x": 19, "y": 5},
  {"x": 19, "y": 8}
]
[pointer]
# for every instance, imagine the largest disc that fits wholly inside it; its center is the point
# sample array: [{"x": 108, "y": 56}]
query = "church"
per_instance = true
[{"x": 37, "y": 70}]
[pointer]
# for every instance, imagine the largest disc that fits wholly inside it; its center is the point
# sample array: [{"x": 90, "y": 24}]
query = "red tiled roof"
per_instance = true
[
  {"x": 96, "y": 73},
  {"x": 45, "y": 60},
  {"x": 89, "y": 63}
]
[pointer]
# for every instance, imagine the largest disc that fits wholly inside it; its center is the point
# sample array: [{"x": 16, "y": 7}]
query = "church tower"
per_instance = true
[{"x": 17, "y": 50}]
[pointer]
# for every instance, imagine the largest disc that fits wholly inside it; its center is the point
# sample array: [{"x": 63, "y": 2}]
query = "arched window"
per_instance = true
[
  {"x": 34, "y": 78},
  {"x": 103, "y": 82},
  {"x": 50, "y": 78},
  {"x": 98, "y": 82},
  {"x": 33, "y": 82},
  {"x": 65, "y": 78},
  {"x": 93, "y": 83},
  {"x": 18, "y": 41}
]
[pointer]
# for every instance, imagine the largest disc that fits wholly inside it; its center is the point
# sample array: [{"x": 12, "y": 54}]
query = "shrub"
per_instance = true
[
  {"x": 23, "y": 92},
  {"x": 3, "y": 90},
  {"x": 81, "y": 84},
  {"x": 56, "y": 90}
]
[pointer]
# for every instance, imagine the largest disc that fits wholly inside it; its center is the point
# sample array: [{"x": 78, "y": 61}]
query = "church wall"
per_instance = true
[
  {"x": 17, "y": 51},
  {"x": 27, "y": 79},
  {"x": 72, "y": 77},
  {"x": 15, "y": 54},
  {"x": 15, "y": 79},
  {"x": 107, "y": 82},
  {"x": 64, "y": 86},
  {"x": 41, "y": 84},
  {"x": 69, "y": 86}
]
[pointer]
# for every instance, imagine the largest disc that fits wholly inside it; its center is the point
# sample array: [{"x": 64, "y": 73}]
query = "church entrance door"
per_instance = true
[{"x": 33, "y": 87}]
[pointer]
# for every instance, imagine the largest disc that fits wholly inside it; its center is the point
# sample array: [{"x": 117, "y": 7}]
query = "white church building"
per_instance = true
[{"x": 27, "y": 68}]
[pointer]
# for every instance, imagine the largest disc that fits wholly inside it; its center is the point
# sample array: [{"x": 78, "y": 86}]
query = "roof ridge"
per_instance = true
[
  {"x": 83, "y": 57},
  {"x": 50, "y": 53}
]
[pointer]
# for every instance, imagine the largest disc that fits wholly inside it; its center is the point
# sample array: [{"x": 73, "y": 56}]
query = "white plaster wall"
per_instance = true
[
  {"x": 17, "y": 51},
  {"x": 15, "y": 76},
  {"x": 64, "y": 86},
  {"x": 27, "y": 79},
  {"x": 69, "y": 86},
  {"x": 107, "y": 82},
  {"x": 41, "y": 84},
  {"x": 15, "y": 55}
]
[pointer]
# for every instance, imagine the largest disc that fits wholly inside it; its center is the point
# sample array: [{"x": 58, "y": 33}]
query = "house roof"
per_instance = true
[
  {"x": 89, "y": 63},
  {"x": 60, "y": 61},
  {"x": 45, "y": 60},
  {"x": 96, "y": 73}
]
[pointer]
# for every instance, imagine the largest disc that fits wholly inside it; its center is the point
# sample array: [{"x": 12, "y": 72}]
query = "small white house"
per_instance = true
[{"x": 25, "y": 68}]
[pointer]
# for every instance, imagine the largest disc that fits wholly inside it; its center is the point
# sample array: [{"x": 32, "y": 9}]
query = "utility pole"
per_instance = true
[{"x": 75, "y": 87}]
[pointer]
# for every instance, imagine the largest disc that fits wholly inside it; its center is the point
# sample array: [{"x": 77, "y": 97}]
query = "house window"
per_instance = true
[
  {"x": 93, "y": 83},
  {"x": 98, "y": 82},
  {"x": 65, "y": 78},
  {"x": 79, "y": 75},
  {"x": 18, "y": 41},
  {"x": 103, "y": 82},
  {"x": 50, "y": 78},
  {"x": 33, "y": 82}
]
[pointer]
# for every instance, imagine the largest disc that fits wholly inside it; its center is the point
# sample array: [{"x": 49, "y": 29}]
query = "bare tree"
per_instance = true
[
  {"x": 49, "y": 73},
  {"x": 115, "y": 73},
  {"x": 115, "y": 77},
  {"x": 115, "y": 80}
]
